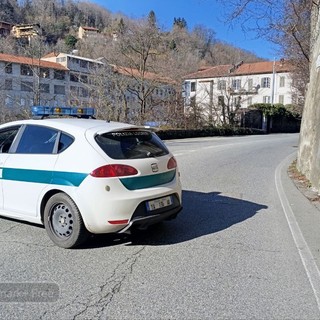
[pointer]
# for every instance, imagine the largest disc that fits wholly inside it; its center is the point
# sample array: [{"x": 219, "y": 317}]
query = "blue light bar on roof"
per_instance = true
[{"x": 43, "y": 111}]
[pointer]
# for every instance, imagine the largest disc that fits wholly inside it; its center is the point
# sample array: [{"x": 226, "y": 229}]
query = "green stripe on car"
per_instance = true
[
  {"x": 135, "y": 183},
  {"x": 75, "y": 178},
  {"x": 44, "y": 176}
]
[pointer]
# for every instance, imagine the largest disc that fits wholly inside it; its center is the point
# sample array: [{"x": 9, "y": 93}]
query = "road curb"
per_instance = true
[{"x": 283, "y": 188}]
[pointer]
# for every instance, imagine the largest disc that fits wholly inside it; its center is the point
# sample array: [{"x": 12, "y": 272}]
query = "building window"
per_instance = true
[
  {"x": 281, "y": 99},
  {"x": 44, "y": 87},
  {"x": 193, "y": 101},
  {"x": 83, "y": 64},
  {"x": 8, "y": 68},
  {"x": 84, "y": 79},
  {"x": 266, "y": 99},
  {"x": 236, "y": 84},
  {"x": 237, "y": 102},
  {"x": 265, "y": 82},
  {"x": 8, "y": 84},
  {"x": 26, "y": 70},
  {"x": 74, "y": 77},
  {"x": 222, "y": 85},
  {"x": 74, "y": 90},
  {"x": 59, "y": 89},
  {"x": 221, "y": 100},
  {"x": 193, "y": 86},
  {"x": 249, "y": 101},
  {"x": 83, "y": 92},
  {"x": 62, "y": 59},
  {"x": 44, "y": 73},
  {"x": 59, "y": 74},
  {"x": 250, "y": 84},
  {"x": 26, "y": 86},
  {"x": 282, "y": 81}
]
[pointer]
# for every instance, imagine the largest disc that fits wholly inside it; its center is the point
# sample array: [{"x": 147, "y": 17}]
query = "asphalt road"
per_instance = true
[{"x": 229, "y": 255}]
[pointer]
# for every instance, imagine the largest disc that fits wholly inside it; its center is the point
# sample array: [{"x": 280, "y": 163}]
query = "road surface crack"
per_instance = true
[{"x": 95, "y": 304}]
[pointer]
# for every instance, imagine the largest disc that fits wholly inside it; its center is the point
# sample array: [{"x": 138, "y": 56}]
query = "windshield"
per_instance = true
[{"x": 131, "y": 144}]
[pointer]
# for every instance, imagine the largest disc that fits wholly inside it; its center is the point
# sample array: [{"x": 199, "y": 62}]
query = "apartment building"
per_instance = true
[
  {"x": 236, "y": 87},
  {"x": 81, "y": 70},
  {"x": 51, "y": 80},
  {"x": 65, "y": 79},
  {"x": 27, "y": 81}
]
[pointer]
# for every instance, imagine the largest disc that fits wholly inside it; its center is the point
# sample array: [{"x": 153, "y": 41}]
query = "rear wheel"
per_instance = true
[{"x": 63, "y": 222}]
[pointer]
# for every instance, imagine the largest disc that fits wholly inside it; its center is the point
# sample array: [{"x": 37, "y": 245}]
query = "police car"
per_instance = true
[{"x": 81, "y": 175}]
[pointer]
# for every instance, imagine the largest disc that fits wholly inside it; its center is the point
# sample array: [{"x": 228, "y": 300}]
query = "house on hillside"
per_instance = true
[
  {"x": 222, "y": 94},
  {"x": 5, "y": 28},
  {"x": 26, "y": 31},
  {"x": 87, "y": 32}
]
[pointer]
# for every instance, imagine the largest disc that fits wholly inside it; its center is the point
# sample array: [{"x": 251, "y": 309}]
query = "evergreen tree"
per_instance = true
[
  {"x": 152, "y": 20},
  {"x": 180, "y": 22}
]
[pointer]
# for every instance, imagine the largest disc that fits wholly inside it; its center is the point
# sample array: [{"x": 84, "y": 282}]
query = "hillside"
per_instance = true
[{"x": 177, "y": 51}]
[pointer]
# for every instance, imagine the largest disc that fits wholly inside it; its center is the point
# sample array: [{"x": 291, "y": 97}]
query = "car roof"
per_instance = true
[{"x": 74, "y": 125}]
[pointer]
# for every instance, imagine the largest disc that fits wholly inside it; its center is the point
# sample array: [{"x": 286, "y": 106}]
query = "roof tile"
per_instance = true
[
  {"x": 243, "y": 69},
  {"x": 31, "y": 61}
]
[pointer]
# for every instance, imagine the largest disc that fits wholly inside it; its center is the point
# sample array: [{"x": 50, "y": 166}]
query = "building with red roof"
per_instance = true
[
  {"x": 58, "y": 79},
  {"x": 225, "y": 90}
]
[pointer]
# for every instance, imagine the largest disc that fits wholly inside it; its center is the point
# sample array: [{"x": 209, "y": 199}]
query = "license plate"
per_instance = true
[{"x": 159, "y": 203}]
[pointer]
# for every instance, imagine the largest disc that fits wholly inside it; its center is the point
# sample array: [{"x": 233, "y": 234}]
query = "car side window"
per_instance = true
[
  {"x": 37, "y": 139},
  {"x": 64, "y": 142},
  {"x": 6, "y": 138}
]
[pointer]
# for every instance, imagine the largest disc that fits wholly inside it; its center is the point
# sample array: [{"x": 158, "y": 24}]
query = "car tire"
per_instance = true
[{"x": 63, "y": 222}]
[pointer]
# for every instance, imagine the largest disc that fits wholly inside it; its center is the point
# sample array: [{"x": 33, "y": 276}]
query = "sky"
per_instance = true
[{"x": 208, "y": 13}]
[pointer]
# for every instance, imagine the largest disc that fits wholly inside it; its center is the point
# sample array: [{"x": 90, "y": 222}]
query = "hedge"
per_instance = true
[{"x": 207, "y": 132}]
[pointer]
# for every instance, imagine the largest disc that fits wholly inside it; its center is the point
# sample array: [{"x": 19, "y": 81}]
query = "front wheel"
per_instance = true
[{"x": 63, "y": 222}]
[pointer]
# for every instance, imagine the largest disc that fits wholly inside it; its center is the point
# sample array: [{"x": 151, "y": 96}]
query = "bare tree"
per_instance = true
[
  {"x": 137, "y": 52},
  {"x": 108, "y": 93},
  {"x": 8, "y": 45},
  {"x": 306, "y": 41}
]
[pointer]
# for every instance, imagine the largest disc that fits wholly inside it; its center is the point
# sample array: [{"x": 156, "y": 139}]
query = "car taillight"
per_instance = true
[
  {"x": 172, "y": 163},
  {"x": 113, "y": 170}
]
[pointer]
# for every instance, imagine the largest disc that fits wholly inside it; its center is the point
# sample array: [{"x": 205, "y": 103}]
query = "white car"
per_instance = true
[{"x": 82, "y": 176}]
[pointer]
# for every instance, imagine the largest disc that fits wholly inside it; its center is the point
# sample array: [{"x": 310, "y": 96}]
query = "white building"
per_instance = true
[
  {"x": 80, "y": 73},
  {"x": 56, "y": 79},
  {"x": 220, "y": 90}
]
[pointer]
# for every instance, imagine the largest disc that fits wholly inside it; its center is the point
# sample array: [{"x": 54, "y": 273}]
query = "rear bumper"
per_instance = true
[{"x": 143, "y": 222}]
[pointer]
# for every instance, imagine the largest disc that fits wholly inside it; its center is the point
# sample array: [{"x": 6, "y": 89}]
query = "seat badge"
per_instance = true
[{"x": 154, "y": 167}]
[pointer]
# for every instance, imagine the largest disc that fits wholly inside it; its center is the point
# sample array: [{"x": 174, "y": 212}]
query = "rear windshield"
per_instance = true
[{"x": 131, "y": 144}]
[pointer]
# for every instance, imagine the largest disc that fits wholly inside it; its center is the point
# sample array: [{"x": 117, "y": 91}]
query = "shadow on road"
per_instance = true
[{"x": 202, "y": 214}]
